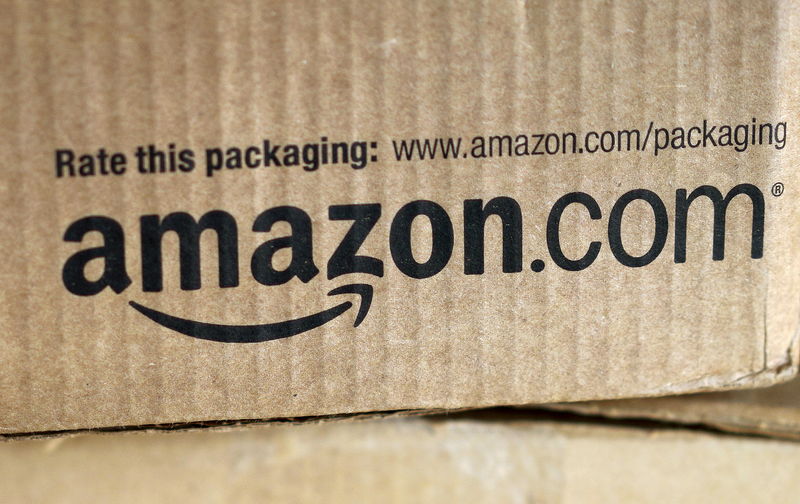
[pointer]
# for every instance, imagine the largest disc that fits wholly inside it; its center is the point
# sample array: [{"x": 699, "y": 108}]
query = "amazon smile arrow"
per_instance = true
[{"x": 262, "y": 332}]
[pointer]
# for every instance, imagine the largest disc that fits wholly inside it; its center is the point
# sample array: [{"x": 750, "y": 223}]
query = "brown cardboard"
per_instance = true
[
  {"x": 86, "y": 85},
  {"x": 464, "y": 460},
  {"x": 772, "y": 411}
]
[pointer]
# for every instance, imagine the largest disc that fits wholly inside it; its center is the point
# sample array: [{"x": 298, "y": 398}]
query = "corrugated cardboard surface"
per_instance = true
[
  {"x": 772, "y": 411},
  {"x": 463, "y": 460},
  {"x": 87, "y": 75}
]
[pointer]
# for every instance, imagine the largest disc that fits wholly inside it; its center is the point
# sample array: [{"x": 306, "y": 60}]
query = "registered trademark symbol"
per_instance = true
[{"x": 777, "y": 189}]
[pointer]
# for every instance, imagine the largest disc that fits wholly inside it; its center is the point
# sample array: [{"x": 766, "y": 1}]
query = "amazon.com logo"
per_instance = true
[{"x": 346, "y": 258}]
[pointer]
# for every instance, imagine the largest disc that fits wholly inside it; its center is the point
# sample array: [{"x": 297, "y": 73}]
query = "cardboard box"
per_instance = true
[
  {"x": 772, "y": 411},
  {"x": 257, "y": 210},
  {"x": 459, "y": 459}
]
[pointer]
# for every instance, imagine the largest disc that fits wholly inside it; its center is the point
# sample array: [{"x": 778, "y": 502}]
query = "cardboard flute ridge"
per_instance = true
[
  {"x": 263, "y": 210},
  {"x": 466, "y": 459},
  {"x": 773, "y": 411}
]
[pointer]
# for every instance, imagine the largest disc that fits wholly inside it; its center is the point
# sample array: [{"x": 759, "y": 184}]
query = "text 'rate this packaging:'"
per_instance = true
[{"x": 257, "y": 210}]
